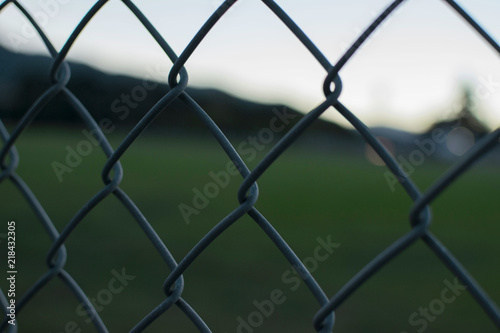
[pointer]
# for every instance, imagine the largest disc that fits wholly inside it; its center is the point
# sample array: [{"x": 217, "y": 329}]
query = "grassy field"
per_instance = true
[{"x": 305, "y": 195}]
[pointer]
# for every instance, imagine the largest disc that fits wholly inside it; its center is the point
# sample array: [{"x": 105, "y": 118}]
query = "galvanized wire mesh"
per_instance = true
[{"x": 324, "y": 320}]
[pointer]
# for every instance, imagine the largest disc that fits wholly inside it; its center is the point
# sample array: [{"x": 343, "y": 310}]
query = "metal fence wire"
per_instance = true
[{"x": 112, "y": 173}]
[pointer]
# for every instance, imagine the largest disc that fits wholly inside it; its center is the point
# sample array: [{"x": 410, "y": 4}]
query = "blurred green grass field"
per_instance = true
[{"x": 305, "y": 195}]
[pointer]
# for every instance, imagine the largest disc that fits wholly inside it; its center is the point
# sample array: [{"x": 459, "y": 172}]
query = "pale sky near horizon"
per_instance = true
[{"x": 407, "y": 76}]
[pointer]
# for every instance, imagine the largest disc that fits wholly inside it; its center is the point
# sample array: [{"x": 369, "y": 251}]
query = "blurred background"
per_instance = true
[{"x": 425, "y": 82}]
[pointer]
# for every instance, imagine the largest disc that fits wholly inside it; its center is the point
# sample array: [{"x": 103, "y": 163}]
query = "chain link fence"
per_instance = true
[{"x": 112, "y": 173}]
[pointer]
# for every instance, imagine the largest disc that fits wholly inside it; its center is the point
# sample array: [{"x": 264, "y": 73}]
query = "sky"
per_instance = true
[{"x": 408, "y": 75}]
